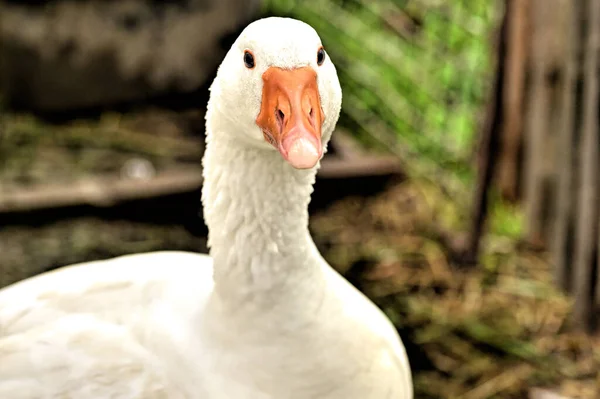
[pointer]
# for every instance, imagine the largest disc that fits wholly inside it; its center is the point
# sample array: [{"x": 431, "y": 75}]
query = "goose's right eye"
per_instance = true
[
  {"x": 248, "y": 59},
  {"x": 320, "y": 56}
]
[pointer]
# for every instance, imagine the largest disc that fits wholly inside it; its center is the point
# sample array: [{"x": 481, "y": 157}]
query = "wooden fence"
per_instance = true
[{"x": 549, "y": 140}]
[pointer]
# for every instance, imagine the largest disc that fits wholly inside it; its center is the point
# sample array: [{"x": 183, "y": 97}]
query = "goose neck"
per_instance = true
[{"x": 256, "y": 209}]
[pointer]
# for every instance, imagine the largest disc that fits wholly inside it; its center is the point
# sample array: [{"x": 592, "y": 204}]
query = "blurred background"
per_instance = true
[{"x": 461, "y": 191}]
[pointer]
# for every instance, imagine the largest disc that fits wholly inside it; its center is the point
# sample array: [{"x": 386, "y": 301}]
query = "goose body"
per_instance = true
[{"x": 264, "y": 316}]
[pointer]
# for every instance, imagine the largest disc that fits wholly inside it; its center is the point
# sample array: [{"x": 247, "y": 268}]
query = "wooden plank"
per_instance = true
[
  {"x": 336, "y": 168},
  {"x": 537, "y": 121},
  {"x": 105, "y": 191},
  {"x": 515, "y": 64},
  {"x": 99, "y": 191},
  {"x": 586, "y": 232},
  {"x": 564, "y": 152}
]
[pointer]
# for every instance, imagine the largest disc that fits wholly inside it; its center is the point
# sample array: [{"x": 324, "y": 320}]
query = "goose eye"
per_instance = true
[
  {"x": 321, "y": 56},
  {"x": 248, "y": 59}
]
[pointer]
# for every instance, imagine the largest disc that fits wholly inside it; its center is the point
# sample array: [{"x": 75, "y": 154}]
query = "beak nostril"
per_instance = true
[
  {"x": 280, "y": 117},
  {"x": 311, "y": 115}
]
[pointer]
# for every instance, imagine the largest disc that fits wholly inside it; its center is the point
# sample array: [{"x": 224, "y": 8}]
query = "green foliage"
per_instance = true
[{"x": 506, "y": 220}]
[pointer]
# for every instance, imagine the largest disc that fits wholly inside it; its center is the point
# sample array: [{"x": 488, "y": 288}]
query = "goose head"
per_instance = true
[{"x": 278, "y": 89}]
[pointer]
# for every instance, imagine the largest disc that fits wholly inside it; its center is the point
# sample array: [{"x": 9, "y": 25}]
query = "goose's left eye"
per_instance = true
[
  {"x": 248, "y": 59},
  {"x": 320, "y": 56}
]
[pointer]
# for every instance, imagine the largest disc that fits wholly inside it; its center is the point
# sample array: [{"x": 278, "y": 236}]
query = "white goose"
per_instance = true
[{"x": 264, "y": 316}]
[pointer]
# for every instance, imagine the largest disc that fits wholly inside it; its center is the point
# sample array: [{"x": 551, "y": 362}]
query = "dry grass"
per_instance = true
[
  {"x": 491, "y": 332},
  {"x": 33, "y": 151}
]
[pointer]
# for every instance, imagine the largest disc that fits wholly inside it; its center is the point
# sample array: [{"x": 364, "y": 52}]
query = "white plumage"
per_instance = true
[{"x": 270, "y": 320}]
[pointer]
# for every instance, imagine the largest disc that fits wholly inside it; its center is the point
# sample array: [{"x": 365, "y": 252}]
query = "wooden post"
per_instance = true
[
  {"x": 587, "y": 209},
  {"x": 537, "y": 122},
  {"x": 514, "y": 89},
  {"x": 561, "y": 234},
  {"x": 597, "y": 310},
  {"x": 486, "y": 155}
]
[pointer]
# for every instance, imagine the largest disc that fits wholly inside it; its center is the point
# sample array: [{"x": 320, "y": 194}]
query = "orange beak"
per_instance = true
[{"x": 291, "y": 115}]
